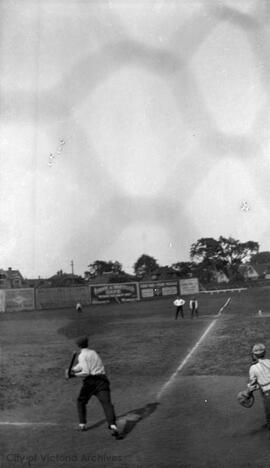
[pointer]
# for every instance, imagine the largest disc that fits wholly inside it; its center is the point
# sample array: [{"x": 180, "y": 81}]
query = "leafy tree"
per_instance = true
[
  {"x": 223, "y": 254},
  {"x": 260, "y": 257},
  {"x": 206, "y": 250},
  {"x": 145, "y": 265},
  {"x": 184, "y": 269},
  {"x": 99, "y": 267},
  {"x": 234, "y": 252}
]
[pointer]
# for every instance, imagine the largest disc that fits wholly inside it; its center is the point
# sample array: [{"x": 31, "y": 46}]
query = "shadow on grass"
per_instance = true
[
  {"x": 127, "y": 422},
  {"x": 259, "y": 430}
]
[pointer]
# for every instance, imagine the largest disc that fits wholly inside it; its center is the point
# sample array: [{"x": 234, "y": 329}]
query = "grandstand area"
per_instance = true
[{"x": 169, "y": 415}]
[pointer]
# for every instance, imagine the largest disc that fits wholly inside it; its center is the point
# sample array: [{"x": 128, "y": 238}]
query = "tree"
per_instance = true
[
  {"x": 260, "y": 257},
  {"x": 206, "y": 250},
  {"x": 223, "y": 254},
  {"x": 99, "y": 267},
  {"x": 184, "y": 269},
  {"x": 145, "y": 265},
  {"x": 234, "y": 253}
]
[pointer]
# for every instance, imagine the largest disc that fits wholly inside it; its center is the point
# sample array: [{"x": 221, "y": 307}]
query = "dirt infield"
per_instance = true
[{"x": 196, "y": 423}]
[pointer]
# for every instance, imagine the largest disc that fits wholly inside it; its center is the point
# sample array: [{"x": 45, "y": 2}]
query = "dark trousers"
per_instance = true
[
  {"x": 194, "y": 311},
  {"x": 99, "y": 386},
  {"x": 266, "y": 403},
  {"x": 179, "y": 309}
]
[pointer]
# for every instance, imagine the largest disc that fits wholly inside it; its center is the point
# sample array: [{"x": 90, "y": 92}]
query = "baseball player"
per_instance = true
[
  {"x": 78, "y": 307},
  {"x": 259, "y": 377},
  {"x": 95, "y": 382},
  {"x": 179, "y": 307},
  {"x": 193, "y": 305}
]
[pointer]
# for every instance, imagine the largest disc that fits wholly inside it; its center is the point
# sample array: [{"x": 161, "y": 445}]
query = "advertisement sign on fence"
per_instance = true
[
  {"x": 50, "y": 298},
  {"x": 2, "y": 300},
  {"x": 113, "y": 292},
  {"x": 189, "y": 286},
  {"x": 158, "y": 288},
  {"x": 19, "y": 299}
]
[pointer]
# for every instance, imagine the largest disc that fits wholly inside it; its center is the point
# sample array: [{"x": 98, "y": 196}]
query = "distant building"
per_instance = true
[
  {"x": 37, "y": 283},
  {"x": 10, "y": 279},
  {"x": 110, "y": 277},
  {"x": 262, "y": 269},
  {"x": 248, "y": 272},
  {"x": 220, "y": 277},
  {"x": 65, "y": 280},
  {"x": 164, "y": 273}
]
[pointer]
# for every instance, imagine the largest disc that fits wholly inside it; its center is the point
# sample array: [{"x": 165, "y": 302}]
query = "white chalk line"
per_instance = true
[
  {"x": 9, "y": 423},
  {"x": 188, "y": 356},
  {"x": 223, "y": 307}
]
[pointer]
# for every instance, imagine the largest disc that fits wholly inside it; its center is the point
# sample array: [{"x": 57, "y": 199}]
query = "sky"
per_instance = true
[{"x": 131, "y": 127}]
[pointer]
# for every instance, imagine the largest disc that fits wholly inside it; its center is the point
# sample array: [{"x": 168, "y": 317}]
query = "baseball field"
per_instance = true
[{"x": 173, "y": 383}]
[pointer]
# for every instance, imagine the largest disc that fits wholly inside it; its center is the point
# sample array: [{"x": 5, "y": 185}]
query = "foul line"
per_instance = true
[
  {"x": 223, "y": 307},
  {"x": 185, "y": 360}
]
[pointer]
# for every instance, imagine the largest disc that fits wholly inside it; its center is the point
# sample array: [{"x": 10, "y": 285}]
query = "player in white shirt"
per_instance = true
[
  {"x": 259, "y": 377},
  {"x": 95, "y": 382},
  {"x": 193, "y": 305},
  {"x": 178, "y": 303}
]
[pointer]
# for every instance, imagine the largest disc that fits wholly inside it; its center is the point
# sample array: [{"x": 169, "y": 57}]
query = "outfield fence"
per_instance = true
[
  {"x": 12, "y": 300},
  {"x": 217, "y": 291},
  {"x": 19, "y": 299},
  {"x": 54, "y": 298}
]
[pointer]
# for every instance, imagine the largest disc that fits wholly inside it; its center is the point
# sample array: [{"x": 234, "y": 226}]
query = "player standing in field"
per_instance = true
[
  {"x": 95, "y": 382},
  {"x": 178, "y": 303},
  {"x": 193, "y": 305},
  {"x": 259, "y": 378}
]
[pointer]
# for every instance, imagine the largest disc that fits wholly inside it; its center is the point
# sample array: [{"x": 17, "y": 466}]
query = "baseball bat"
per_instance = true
[{"x": 68, "y": 371}]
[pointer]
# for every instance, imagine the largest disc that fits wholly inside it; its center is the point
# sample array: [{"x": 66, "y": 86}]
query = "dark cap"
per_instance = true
[{"x": 82, "y": 342}]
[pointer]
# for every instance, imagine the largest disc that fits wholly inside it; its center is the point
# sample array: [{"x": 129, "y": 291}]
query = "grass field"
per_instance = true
[{"x": 196, "y": 423}]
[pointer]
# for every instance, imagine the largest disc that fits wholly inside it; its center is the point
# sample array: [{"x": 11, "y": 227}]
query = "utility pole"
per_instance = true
[{"x": 72, "y": 267}]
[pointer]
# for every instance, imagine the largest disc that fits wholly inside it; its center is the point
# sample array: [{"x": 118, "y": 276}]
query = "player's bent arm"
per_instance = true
[
  {"x": 80, "y": 374},
  {"x": 77, "y": 371},
  {"x": 77, "y": 368},
  {"x": 252, "y": 382}
]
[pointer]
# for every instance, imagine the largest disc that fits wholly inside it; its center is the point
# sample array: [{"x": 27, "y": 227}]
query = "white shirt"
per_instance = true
[
  {"x": 89, "y": 363},
  {"x": 260, "y": 373},
  {"x": 193, "y": 302},
  {"x": 179, "y": 302}
]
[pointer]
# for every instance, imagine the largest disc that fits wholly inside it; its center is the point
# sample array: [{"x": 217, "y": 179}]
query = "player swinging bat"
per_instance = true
[
  {"x": 91, "y": 370},
  {"x": 68, "y": 372}
]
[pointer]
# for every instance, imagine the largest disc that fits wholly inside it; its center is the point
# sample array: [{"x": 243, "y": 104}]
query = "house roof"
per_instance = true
[
  {"x": 262, "y": 268},
  {"x": 11, "y": 274},
  {"x": 64, "y": 275},
  {"x": 111, "y": 277}
]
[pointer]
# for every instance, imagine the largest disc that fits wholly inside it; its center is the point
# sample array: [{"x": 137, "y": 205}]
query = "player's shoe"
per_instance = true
[
  {"x": 266, "y": 426},
  {"x": 81, "y": 428},
  {"x": 114, "y": 430}
]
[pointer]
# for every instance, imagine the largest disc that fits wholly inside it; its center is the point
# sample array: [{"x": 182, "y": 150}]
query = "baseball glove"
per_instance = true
[{"x": 245, "y": 399}]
